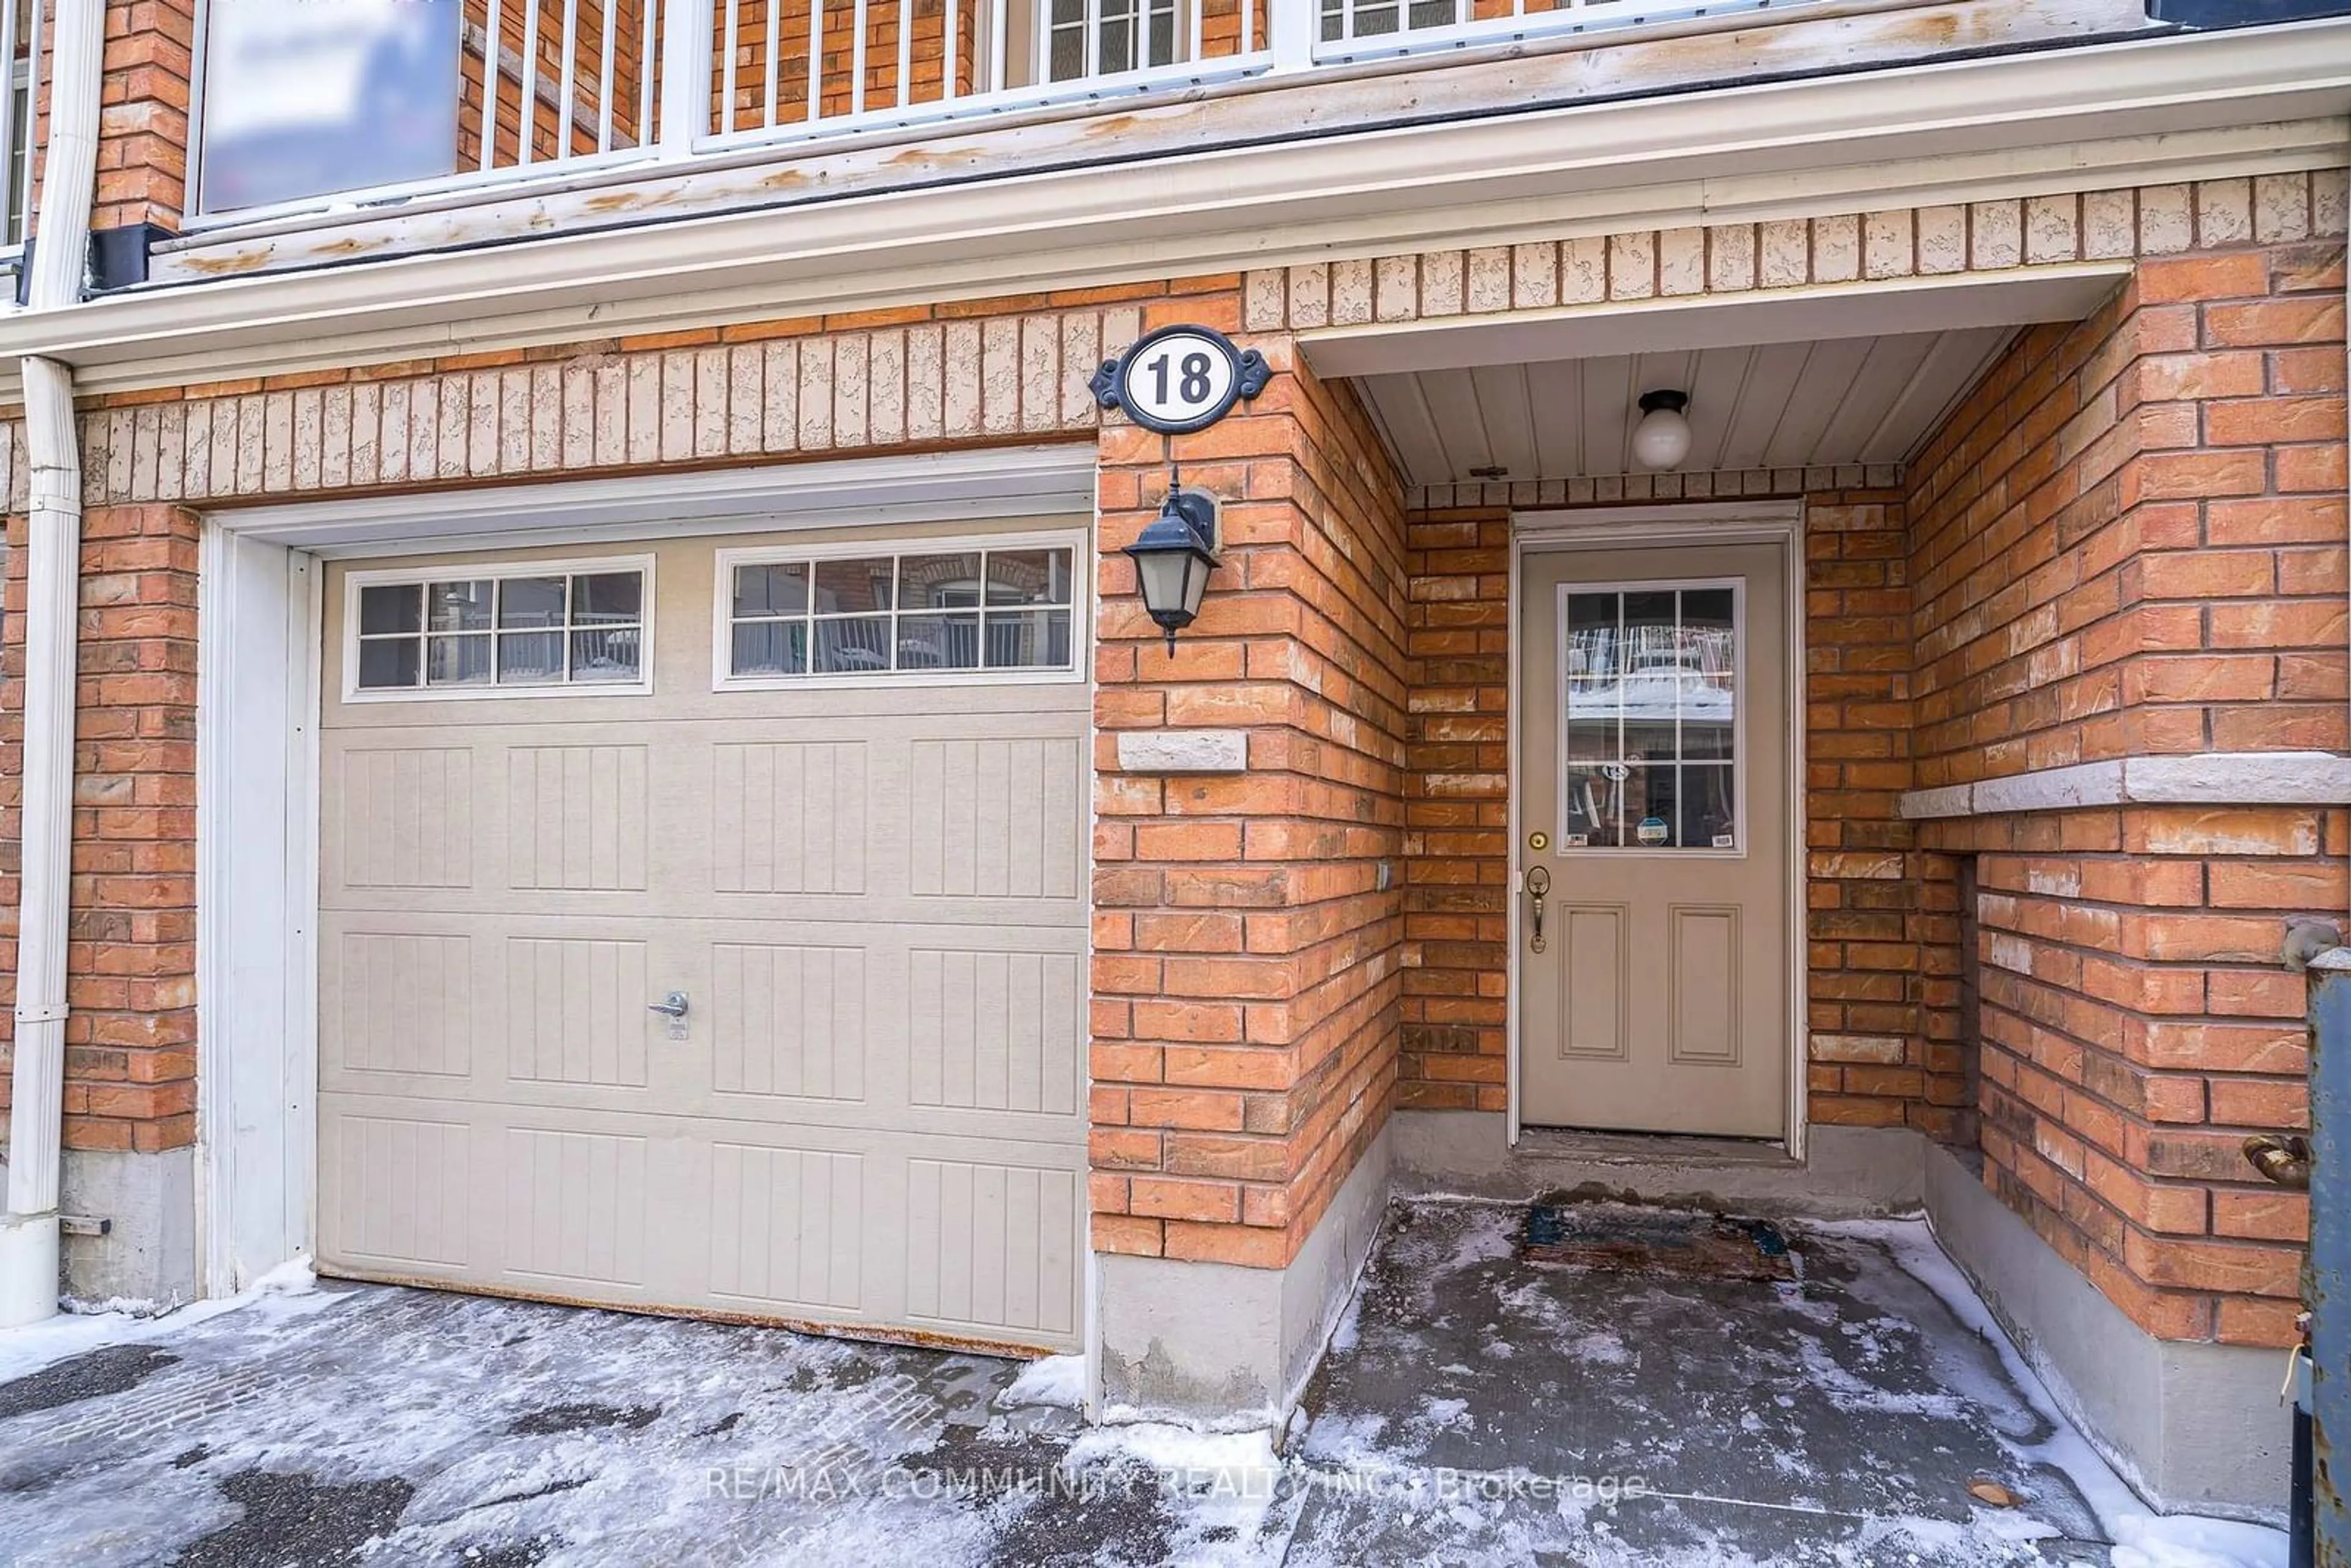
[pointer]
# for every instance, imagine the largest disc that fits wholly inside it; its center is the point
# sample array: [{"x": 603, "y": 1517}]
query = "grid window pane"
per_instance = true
[
  {"x": 1028, "y": 639},
  {"x": 531, "y": 601},
  {"x": 388, "y": 661},
  {"x": 855, "y": 646},
  {"x": 457, "y": 661},
  {"x": 460, "y": 606},
  {"x": 604, "y": 655},
  {"x": 394, "y": 607},
  {"x": 938, "y": 581},
  {"x": 938, "y": 641},
  {"x": 776, "y": 588},
  {"x": 771, "y": 648},
  {"x": 1649, "y": 737},
  {"x": 852, "y": 587},
  {"x": 1029, "y": 577},
  {"x": 607, "y": 599},
  {"x": 529, "y": 658}
]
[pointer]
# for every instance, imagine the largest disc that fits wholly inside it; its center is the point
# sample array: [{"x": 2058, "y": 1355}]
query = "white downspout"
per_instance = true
[{"x": 29, "y": 1231}]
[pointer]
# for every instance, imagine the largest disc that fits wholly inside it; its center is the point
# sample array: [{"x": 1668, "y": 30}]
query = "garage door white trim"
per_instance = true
[{"x": 258, "y": 758}]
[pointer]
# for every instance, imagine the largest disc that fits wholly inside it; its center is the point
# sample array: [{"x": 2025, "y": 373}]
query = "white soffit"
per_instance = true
[
  {"x": 1907, "y": 305},
  {"x": 941, "y": 487},
  {"x": 1773, "y": 406}
]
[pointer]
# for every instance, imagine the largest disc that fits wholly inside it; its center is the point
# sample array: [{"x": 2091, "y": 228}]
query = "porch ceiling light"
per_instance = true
[
  {"x": 1174, "y": 557},
  {"x": 1662, "y": 439}
]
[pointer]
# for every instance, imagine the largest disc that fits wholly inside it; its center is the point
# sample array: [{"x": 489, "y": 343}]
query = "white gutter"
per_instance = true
[{"x": 29, "y": 1231}]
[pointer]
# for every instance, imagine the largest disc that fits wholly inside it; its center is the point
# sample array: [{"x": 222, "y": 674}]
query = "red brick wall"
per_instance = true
[
  {"x": 2129, "y": 541},
  {"x": 1457, "y": 824},
  {"x": 130, "y": 960},
  {"x": 142, "y": 150},
  {"x": 1881, "y": 921},
  {"x": 1882, "y": 973},
  {"x": 1245, "y": 979}
]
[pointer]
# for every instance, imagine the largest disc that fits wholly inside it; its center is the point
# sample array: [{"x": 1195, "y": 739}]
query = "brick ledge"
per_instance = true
[{"x": 2205, "y": 777}]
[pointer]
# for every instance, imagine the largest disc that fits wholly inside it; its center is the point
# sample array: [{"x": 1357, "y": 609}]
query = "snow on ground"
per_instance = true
[
  {"x": 117, "y": 1321},
  {"x": 1058, "y": 1380},
  {"x": 2142, "y": 1540},
  {"x": 1766, "y": 1425}
]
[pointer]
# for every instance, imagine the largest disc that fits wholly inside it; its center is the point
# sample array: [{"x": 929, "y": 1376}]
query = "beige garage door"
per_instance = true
[{"x": 832, "y": 791}]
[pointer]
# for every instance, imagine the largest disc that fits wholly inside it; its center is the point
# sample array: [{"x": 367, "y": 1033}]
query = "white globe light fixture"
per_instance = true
[{"x": 1662, "y": 439}]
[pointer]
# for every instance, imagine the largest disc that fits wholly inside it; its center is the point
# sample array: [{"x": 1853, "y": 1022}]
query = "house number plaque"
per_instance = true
[{"x": 1179, "y": 378}]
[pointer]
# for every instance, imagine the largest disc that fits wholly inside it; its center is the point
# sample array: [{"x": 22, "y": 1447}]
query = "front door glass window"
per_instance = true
[{"x": 1650, "y": 678}]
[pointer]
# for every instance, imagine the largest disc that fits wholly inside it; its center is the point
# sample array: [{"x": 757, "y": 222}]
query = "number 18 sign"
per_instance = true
[{"x": 1180, "y": 379}]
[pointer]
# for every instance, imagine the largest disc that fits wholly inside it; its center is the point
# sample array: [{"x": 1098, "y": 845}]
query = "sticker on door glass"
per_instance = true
[{"x": 1651, "y": 716}]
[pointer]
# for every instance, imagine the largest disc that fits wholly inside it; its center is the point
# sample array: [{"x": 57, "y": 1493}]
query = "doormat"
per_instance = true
[{"x": 1662, "y": 1243}]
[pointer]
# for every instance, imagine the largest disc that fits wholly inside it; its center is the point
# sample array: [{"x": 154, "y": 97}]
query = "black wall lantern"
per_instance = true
[{"x": 1174, "y": 557}]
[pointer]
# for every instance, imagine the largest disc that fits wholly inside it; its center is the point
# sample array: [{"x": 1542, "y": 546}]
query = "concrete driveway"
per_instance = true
[{"x": 1476, "y": 1408}]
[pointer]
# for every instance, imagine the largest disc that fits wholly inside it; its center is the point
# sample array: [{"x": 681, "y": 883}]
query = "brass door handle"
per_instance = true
[{"x": 1537, "y": 888}]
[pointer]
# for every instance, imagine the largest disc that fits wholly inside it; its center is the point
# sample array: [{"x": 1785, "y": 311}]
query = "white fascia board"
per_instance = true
[
  {"x": 1876, "y": 307},
  {"x": 937, "y": 487},
  {"x": 1922, "y": 133}
]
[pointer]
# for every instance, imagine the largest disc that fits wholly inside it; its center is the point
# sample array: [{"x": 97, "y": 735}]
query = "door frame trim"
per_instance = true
[{"x": 1776, "y": 522}]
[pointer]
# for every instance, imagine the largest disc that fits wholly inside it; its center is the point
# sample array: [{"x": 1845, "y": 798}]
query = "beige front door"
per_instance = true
[
  {"x": 825, "y": 798},
  {"x": 1653, "y": 822}
]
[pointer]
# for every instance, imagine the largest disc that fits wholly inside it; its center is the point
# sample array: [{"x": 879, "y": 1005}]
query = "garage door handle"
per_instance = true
[{"x": 671, "y": 1006}]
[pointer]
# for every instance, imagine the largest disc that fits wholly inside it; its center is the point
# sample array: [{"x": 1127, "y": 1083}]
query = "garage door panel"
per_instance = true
[
  {"x": 397, "y": 1188},
  {"x": 575, "y": 1011},
  {"x": 989, "y": 818},
  {"x": 788, "y": 1020},
  {"x": 401, "y": 1002},
  {"x": 573, "y": 1207},
  {"x": 786, "y": 1227},
  {"x": 398, "y": 817},
  {"x": 876, "y": 899},
  {"x": 994, "y": 1031},
  {"x": 577, "y": 817},
  {"x": 788, "y": 816},
  {"x": 991, "y": 1246}
]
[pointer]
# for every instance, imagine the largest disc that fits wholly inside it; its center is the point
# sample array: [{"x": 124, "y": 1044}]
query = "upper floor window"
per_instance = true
[
  {"x": 1126, "y": 35},
  {"x": 485, "y": 629},
  {"x": 20, "y": 25}
]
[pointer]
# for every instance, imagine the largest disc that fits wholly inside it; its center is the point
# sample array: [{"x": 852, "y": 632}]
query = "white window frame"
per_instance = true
[
  {"x": 722, "y": 611},
  {"x": 642, "y": 564},
  {"x": 1740, "y": 763}
]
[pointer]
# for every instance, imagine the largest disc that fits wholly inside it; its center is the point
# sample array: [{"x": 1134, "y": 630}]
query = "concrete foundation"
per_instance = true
[
  {"x": 2193, "y": 1427},
  {"x": 149, "y": 1253},
  {"x": 1234, "y": 1346},
  {"x": 1847, "y": 1172}
]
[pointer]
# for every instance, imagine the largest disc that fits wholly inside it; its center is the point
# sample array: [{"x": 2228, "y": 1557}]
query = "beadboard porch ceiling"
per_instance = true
[{"x": 1871, "y": 400}]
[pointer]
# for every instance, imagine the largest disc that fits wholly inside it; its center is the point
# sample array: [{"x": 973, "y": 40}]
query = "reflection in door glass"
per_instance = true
[{"x": 1651, "y": 719}]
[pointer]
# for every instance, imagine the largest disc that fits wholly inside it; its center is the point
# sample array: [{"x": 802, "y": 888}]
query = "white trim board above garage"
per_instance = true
[{"x": 918, "y": 487}]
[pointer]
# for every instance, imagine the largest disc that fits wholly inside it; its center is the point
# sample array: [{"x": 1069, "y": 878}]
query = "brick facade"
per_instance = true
[
  {"x": 1247, "y": 928},
  {"x": 144, "y": 126},
  {"x": 130, "y": 1065},
  {"x": 2129, "y": 539}
]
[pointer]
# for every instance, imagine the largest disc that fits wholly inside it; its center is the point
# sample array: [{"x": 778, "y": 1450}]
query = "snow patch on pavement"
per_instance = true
[
  {"x": 1058, "y": 1380},
  {"x": 290, "y": 1287},
  {"x": 2142, "y": 1540}
]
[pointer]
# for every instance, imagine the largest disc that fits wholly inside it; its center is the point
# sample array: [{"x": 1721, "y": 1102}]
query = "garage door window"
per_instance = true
[
  {"x": 943, "y": 609},
  {"x": 492, "y": 631}
]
